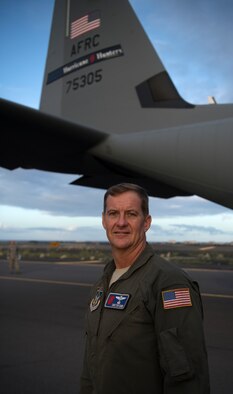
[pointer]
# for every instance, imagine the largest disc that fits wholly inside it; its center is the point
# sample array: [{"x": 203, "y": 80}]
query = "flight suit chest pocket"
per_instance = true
[{"x": 133, "y": 319}]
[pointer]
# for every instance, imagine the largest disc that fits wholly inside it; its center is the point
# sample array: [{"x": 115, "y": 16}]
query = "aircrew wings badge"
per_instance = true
[
  {"x": 96, "y": 300},
  {"x": 176, "y": 298}
]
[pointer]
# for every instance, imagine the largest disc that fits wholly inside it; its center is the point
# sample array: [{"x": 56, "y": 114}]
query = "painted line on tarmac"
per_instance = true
[
  {"x": 207, "y": 270},
  {"x": 60, "y": 282},
  {"x": 51, "y": 282},
  {"x": 217, "y": 295}
]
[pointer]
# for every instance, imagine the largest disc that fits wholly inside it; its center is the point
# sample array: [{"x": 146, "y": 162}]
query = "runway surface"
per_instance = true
[{"x": 42, "y": 326}]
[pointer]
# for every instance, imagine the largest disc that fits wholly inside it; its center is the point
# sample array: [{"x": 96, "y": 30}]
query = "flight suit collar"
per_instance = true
[{"x": 140, "y": 261}]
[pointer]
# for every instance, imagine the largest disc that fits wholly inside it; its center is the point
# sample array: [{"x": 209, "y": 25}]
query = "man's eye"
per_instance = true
[
  {"x": 131, "y": 214},
  {"x": 112, "y": 213}
]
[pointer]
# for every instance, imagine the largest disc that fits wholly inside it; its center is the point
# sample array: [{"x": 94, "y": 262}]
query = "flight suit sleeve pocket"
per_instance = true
[{"x": 173, "y": 358}]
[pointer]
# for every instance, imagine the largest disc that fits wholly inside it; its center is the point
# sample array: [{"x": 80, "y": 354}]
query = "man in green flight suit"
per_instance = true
[{"x": 144, "y": 321}]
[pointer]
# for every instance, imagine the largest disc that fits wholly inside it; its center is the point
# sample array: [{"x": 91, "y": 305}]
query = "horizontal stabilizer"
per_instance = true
[{"x": 160, "y": 92}]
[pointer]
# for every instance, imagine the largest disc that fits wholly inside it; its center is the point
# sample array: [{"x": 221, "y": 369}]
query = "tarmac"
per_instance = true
[{"x": 42, "y": 332}]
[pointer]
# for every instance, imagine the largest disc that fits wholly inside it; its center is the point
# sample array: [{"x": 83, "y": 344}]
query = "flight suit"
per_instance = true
[{"x": 145, "y": 333}]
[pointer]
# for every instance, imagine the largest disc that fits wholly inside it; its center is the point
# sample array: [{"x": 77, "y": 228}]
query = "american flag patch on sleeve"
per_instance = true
[{"x": 176, "y": 298}]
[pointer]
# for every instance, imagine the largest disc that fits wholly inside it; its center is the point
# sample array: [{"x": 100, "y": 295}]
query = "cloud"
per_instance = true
[
  {"x": 184, "y": 207},
  {"x": 77, "y": 233},
  {"x": 52, "y": 194},
  {"x": 183, "y": 228},
  {"x": 90, "y": 228},
  {"x": 180, "y": 232},
  {"x": 48, "y": 192}
]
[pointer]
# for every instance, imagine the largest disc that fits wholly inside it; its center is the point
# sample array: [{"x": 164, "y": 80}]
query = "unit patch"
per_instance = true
[
  {"x": 116, "y": 301},
  {"x": 96, "y": 300},
  {"x": 176, "y": 298}
]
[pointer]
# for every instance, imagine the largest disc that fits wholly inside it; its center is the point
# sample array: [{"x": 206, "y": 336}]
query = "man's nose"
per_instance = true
[{"x": 121, "y": 220}]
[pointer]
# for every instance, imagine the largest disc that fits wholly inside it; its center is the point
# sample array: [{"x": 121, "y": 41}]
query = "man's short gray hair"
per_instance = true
[{"x": 129, "y": 187}]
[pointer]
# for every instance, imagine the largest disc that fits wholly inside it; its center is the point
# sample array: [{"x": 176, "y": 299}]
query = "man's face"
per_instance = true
[{"x": 124, "y": 221}]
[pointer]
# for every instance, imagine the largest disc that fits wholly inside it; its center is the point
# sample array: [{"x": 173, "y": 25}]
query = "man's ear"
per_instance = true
[
  {"x": 147, "y": 223},
  {"x": 103, "y": 221}
]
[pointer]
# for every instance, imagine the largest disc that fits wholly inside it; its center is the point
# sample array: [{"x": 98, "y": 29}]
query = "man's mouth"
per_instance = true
[{"x": 121, "y": 232}]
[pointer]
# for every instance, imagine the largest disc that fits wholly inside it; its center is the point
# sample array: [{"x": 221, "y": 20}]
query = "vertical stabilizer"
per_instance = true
[{"x": 98, "y": 61}]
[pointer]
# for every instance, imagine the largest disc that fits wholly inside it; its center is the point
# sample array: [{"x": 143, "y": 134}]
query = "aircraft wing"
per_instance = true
[{"x": 31, "y": 139}]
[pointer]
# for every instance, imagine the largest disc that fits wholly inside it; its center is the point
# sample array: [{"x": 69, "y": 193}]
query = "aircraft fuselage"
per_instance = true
[{"x": 186, "y": 157}]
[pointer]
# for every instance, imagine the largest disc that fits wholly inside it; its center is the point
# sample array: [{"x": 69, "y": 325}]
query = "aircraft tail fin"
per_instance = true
[{"x": 102, "y": 69}]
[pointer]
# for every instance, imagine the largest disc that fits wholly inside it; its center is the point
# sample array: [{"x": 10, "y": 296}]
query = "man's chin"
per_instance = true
[{"x": 121, "y": 242}]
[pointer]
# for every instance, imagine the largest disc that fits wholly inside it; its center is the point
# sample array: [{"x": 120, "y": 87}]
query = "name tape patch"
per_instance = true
[
  {"x": 116, "y": 301},
  {"x": 176, "y": 298}
]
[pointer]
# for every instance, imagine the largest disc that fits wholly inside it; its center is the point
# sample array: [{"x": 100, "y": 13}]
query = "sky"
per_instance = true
[{"x": 194, "y": 42}]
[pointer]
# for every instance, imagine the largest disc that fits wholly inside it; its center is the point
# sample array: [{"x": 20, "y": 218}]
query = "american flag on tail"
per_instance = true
[{"x": 85, "y": 24}]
